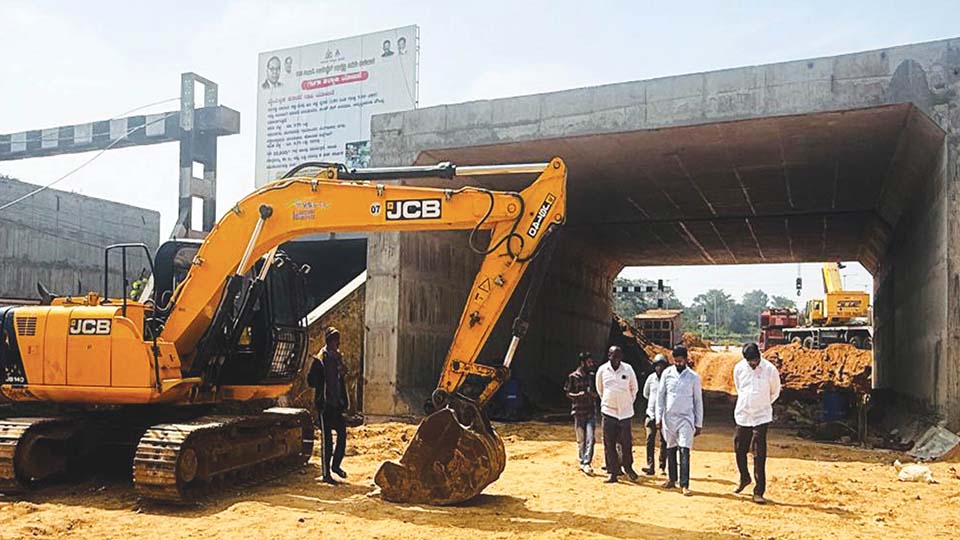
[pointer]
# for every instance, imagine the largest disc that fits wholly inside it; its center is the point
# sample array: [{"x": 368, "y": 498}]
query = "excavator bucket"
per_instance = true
[{"x": 447, "y": 462}]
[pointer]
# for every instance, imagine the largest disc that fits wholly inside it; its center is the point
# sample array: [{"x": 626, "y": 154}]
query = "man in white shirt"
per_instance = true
[
  {"x": 758, "y": 386},
  {"x": 650, "y": 394},
  {"x": 617, "y": 388},
  {"x": 680, "y": 416}
]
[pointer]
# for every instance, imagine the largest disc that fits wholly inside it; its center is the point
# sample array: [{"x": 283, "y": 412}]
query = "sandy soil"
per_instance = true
[{"x": 817, "y": 491}]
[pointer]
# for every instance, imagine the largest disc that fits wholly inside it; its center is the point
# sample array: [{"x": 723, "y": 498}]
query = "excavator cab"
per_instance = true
[
  {"x": 271, "y": 348},
  {"x": 259, "y": 333}
]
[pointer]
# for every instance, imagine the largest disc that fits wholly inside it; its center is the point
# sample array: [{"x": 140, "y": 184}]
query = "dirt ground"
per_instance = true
[{"x": 816, "y": 491}]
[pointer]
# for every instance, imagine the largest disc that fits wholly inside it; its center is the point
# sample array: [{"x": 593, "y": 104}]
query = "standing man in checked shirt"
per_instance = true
[
  {"x": 758, "y": 386},
  {"x": 583, "y": 408}
]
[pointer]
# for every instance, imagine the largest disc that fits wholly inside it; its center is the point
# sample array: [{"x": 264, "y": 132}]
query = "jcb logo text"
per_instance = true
[
  {"x": 89, "y": 327},
  {"x": 413, "y": 209}
]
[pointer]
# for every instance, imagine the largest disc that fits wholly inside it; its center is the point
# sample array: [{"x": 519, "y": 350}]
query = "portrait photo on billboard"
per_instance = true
[
  {"x": 387, "y": 50},
  {"x": 272, "y": 72}
]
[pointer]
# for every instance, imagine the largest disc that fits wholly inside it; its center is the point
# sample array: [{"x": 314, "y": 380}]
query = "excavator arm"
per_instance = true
[
  {"x": 455, "y": 453},
  {"x": 340, "y": 200}
]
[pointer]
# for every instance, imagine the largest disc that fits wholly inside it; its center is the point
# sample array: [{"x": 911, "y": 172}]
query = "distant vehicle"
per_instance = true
[
  {"x": 840, "y": 317},
  {"x": 773, "y": 321}
]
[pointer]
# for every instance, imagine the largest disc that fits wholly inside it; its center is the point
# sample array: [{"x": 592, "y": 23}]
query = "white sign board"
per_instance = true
[{"x": 314, "y": 102}]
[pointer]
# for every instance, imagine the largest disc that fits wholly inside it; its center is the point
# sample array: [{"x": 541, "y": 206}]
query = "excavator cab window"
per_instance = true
[
  {"x": 127, "y": 251},
  {"x": 171, "y": 266}
]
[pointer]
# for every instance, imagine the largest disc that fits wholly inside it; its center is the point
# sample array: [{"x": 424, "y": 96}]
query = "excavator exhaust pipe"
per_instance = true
[{"x": 447, "y": 462}]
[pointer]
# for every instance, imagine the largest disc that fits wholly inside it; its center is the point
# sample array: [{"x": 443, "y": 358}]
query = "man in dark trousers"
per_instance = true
[
  {"x": 617, "y": 387},
  {"x": 330, "y": 397},
  {"x": 650, "y": 394},
  {"x": 583, "y": 408},
  {"x": 679, "y": 417},
  {"x": 758, "y": 386}
]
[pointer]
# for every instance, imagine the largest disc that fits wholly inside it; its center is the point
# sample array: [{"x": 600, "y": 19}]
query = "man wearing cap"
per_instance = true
[
  {"x": 650, "y": 394},
  {"x": 326, "y": 376},
  {"x": 617, "y": 387},
  {"x": 679, "y": 414},
  {"x": 758, "y": 386},
  {"x": 583, "y": 408}
]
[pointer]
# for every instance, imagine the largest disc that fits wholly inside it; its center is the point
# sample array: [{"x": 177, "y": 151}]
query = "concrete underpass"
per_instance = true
[{"x": 852, "y": 157}]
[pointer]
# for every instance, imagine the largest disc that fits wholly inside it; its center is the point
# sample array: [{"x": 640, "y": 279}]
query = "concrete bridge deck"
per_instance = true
[{"x": 852, "y": 157}]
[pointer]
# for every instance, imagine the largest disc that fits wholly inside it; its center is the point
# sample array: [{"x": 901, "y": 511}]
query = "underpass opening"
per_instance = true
[
  {"x": 859, "y": 185},
  {"x": 723, "y": 304}
]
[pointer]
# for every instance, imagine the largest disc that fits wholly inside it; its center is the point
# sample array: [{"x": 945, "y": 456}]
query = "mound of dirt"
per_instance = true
[
  {"x": 715, "y": 369},
  {"x": 694, "y": 341},
  {"x": 839, "y": 366}
]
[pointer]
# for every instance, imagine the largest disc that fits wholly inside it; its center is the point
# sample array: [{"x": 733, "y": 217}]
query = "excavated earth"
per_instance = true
[
  {"x": 838, "y": 366},
  {"x": 816, "y": 491}
]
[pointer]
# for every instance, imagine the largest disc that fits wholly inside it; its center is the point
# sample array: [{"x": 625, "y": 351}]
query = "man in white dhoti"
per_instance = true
[{"x": 680, "y": 416}]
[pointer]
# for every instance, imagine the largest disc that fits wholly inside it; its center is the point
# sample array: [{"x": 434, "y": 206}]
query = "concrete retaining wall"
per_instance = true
[{"x": 58, "y": 238}]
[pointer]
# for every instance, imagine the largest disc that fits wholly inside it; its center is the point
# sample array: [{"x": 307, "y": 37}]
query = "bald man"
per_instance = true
[{"x": 617, "y": 387}]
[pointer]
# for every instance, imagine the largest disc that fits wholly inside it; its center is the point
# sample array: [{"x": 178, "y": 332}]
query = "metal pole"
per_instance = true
[
  {"x": 267, "y": 263},
  {"x": 265, "y": 212},
  {"x": 485, "y": 170}
]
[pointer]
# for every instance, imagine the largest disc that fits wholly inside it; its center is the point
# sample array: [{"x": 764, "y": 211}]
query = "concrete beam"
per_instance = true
[{"x": 138, "y": 130}]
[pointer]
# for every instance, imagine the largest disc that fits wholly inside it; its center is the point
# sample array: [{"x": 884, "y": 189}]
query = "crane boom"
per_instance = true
[{"x": 832, "y": 282}]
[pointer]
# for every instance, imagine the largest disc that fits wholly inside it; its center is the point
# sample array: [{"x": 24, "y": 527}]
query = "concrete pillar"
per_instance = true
[
  {"x": 911, "y": 297},
  {"x": 917, "y": 285},
  {"x": 431, "y": 273},
  {"x": 947, "y": 371},
  {"x": 381, "y": 319}
]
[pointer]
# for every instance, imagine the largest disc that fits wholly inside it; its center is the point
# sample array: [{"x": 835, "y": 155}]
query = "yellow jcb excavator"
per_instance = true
[{"x": 224, "y": 324}]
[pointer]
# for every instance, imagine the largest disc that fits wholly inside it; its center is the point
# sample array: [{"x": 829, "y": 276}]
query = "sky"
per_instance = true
[
  {"x": 71, "y": 62},
  {"x": 773, "y": 279}
]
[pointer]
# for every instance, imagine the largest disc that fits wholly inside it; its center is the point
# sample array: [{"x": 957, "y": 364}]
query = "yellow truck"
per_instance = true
[{"x": 841, "y": 316}]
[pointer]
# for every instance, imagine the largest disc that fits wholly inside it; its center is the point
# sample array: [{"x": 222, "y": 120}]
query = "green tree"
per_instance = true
[
  {"x": 745, "y": 314},
  {"x": 717, "y": 306},
  {"x": 782, "y": 302}
]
